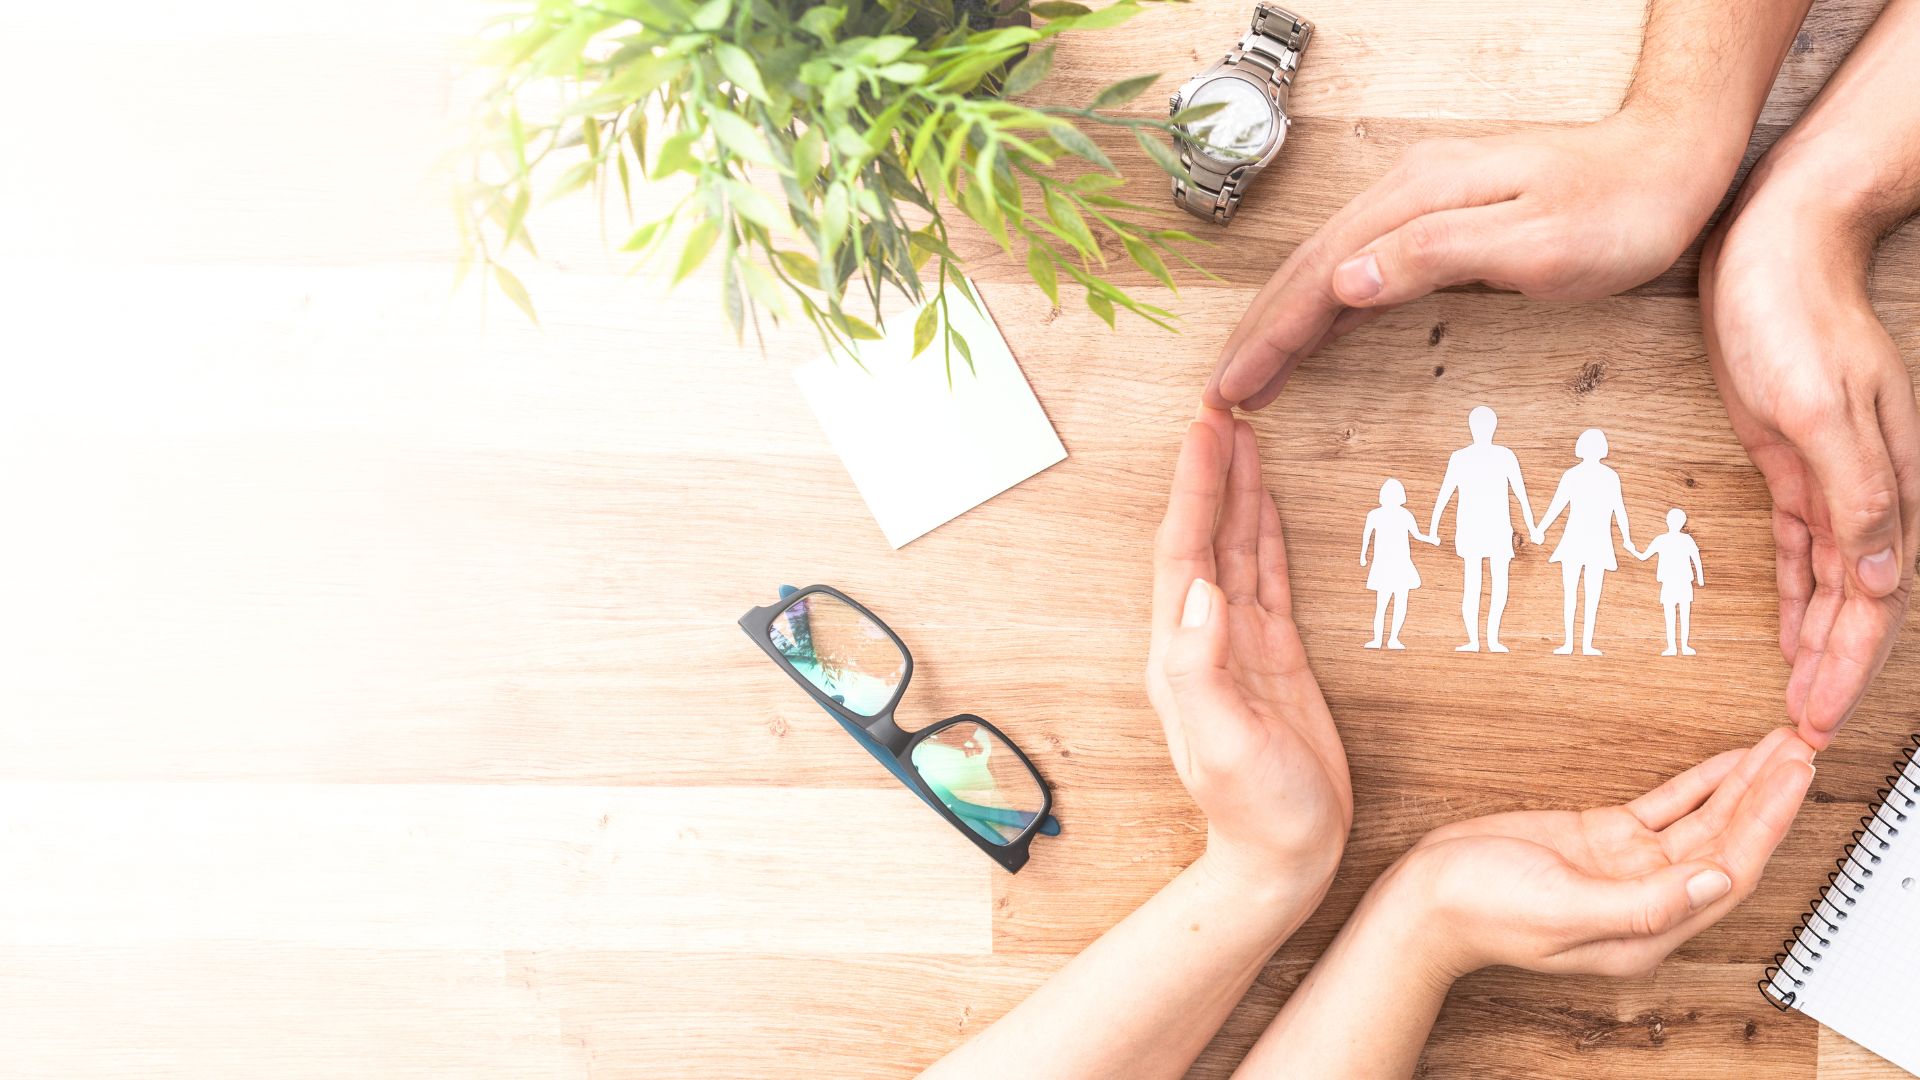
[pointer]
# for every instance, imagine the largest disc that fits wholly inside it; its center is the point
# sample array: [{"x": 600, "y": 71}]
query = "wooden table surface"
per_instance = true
[{"x": 374, "y": 704}]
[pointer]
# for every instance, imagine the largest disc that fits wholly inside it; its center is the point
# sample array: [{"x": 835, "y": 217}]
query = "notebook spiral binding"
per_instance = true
[{"x": 1825, "y": 919}]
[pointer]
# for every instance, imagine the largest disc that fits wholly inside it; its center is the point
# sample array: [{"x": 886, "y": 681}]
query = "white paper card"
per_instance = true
[{"x": 922, "y": 453}]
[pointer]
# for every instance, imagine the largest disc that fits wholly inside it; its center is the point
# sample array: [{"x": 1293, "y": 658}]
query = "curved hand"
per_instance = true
[
  {"x": 1609, "y": 891},
  {"x": 1248, "y": 730},
  {"x": 1821, "y": 400},
  {"x": 1571, "y": 214}
]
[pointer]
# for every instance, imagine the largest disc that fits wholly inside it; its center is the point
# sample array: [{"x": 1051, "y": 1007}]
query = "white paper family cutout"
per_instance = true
[{"x": 1486, "y": 476}]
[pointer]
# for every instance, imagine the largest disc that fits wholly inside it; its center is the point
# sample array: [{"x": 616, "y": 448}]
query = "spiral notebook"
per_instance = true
[{"x": 1854, "y": 960}]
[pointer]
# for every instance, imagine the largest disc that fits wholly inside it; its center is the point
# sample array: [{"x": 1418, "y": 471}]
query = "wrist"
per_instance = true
[
  {"x": 1401, "y": 918},
  {"x": 1826, "y": 184},
  {"x": 1280, "y": 894}
]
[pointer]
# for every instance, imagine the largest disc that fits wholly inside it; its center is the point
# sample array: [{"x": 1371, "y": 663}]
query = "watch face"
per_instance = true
[{"x": 1236, "y": 133}]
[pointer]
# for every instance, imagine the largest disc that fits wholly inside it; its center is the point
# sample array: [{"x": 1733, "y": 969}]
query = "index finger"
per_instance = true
[
  {"x": 1183, "y": 548},
  {"x": 1298, "y": 305}
]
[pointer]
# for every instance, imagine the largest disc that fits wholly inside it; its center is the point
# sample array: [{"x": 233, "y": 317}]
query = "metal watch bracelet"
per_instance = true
[{"x": 1272, "y": 49}]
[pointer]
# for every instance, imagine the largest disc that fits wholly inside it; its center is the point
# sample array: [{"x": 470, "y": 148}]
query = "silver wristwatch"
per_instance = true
[{"x": 1224, "y": 151}]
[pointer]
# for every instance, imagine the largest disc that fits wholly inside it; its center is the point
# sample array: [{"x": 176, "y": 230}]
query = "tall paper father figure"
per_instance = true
[
  {"x": 1483, "y": 474},
  {"x": 1590, "y": 492}
]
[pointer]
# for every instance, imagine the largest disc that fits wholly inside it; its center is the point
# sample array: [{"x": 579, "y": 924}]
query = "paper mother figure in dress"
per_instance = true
[
  {"x": 1483, "y": 474},
  {"x": 1590, "y": 493}
]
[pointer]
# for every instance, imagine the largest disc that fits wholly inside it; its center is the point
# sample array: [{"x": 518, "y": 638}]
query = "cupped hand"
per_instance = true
[
  {"x": 1568, "y": 214},
  {"x": 1248, "y": 730},
  {"x": 1610, "y": 891},
  {"x": 1824, "y": 405}
]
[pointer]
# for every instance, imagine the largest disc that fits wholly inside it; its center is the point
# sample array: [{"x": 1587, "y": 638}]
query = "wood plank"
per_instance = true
[{"x": 483, "y": 867}]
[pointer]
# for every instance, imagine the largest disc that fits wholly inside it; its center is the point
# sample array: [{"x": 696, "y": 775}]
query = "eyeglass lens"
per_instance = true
[
  {"x": 980, "y": 779},
  {"x": 836, "y": 648}
]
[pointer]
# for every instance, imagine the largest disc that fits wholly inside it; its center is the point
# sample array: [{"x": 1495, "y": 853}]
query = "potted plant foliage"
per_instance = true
[{"x": 827, "y": 145}]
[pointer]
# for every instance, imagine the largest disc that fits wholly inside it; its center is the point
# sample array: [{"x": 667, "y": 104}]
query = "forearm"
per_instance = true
[
  {"x": 1366, "y": 1008},
  {"x": 1854, "y": 156},
  {"x": 1706, "y": 65},
  {"x": 1146, "y": 997}
]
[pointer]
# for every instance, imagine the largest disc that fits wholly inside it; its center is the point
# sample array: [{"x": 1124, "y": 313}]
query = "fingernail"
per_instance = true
[
  {"x": 1705, "y": 887},
  {"x": 1878, "y": 571},
  {"x": 1358, "y": 278},
  {"x": 1199, "y": 599}
]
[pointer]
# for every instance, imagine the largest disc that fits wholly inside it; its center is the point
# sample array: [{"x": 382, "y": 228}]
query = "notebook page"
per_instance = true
[{"x": 1867, "y": 984}]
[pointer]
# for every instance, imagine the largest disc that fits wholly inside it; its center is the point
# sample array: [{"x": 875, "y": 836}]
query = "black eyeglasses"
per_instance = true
[{"x": 857, "y": 669}]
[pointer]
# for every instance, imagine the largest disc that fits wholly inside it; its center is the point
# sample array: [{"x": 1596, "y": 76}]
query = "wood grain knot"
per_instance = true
[
  {"x": 1590, "y": 377},
  {"x": 777, "y": 727},
  {"x": 1439, "y": 331},
  {"x": 1802, "y": 44}
]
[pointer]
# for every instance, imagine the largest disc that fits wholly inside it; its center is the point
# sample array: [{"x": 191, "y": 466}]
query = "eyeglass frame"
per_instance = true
[{"x": 882, "y": 737}]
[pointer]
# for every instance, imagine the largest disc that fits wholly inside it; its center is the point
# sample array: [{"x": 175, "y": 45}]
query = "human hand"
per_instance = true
[
  {"x": 1610, "y": 891},
  {"x": 1570, "y": 214},
  {"x": 1248, "y": 730},
  {"x": 1820, "y": 398}
]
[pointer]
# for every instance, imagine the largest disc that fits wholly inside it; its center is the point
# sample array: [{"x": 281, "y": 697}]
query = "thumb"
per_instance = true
[
  {"x": 1196, "y": 659},
  {"x": 1856, "y": 476},
  {"x": 1430, "y": 252},
  {"x": 1203, "y": 689},
  {"x": 1652, "y": 904}
]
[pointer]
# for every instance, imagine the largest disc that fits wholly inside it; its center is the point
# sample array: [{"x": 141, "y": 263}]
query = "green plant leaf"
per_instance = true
[
  {"x": 966, "y": 70},
  {"x": 800, "y": 267},
  {"x": 515, "y": 291},
  {"x": 1075, "y": 142},
  {"x": 821, "y": 22},
  {"x": 637, "y": 138},
  {"x": 740, "y": 69},
  {"x": 840, "y": 90},
  {"x": 516, "y": 214},
  {"x": 905, "y": 72},
  {"x": 1100, "y": 306},
  {"x": 739, "y": 136},
  {"x": 1094, "y": 183},
  {"x": 1040, "y": 268},
  {"x": 1148, "y": 261},
  {"x": 959, "y": 341},
  {"x": 711, "y": 15},
  {"x": 874, "y": 52},
  {"x": 854, "y": 328},
  {"x": 835, "y": 214},
  {"x": 1100, "y": 19},
  {"x": 645, "y": 235},
  {"x": 590, "y": 134},
  {"x": 924, "y": 328},
  {"x": 749, "y": 203},
  {"x": 1122, "y": 92},
  {"x": 1161, "y": 153},
  {"x": 637, "y": 78},
  {"x": 809, "y": 153},
  {"x": 1058, "y": 9},
  {"x": 574, "y": 179},
  {"x": 763, "y": 289},
  {"x": 1028, "y": 73},
  {"x": 1197, "y": 112},
  {"x": 699, "y": 241},
  {"x": 676, "y": 155},
  {"x": 730, "y": 294},
  {"x": 1065, "y": 215}
]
